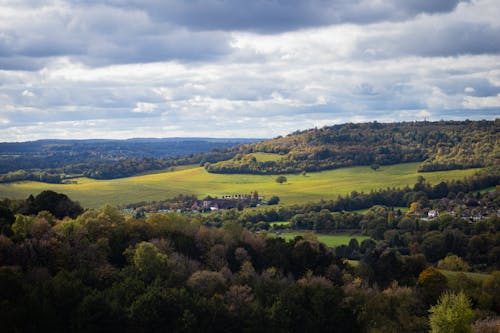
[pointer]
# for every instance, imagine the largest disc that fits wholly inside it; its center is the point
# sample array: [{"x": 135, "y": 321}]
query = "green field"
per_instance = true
[
  {"x": 298, "y": 189},
  {"x": 480, "y": 277},
  {"x": 329, "y": 239},
  {"x": 364, "y": 211},
  {"x": 280, "y": 223},
  {"x": 267, "y": 157}
]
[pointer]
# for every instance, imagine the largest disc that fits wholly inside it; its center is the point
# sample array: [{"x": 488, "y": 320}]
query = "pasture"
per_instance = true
[
  {"x": 298, "y": 189},
  {"x": 267, "y": 157},
  {"x": 478, "y": 277},
  {"x": 330, "y": 240}
]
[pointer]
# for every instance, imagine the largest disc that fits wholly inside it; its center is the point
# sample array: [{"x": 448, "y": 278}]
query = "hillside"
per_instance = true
[
  {"x": 55, "y": 160},
  {"x": 298, "y": 189},
  {"x": 444, "y": 145}
]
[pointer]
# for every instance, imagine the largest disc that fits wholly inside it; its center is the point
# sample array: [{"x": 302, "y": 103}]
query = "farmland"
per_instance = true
[
  {"x": 329, "y": 239},
  {"x": 298, "y": 188}
]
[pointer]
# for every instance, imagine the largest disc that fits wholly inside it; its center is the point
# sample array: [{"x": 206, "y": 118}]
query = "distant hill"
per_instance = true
[
  {"x": 443, "y": 145},
  {"x": 55, "y": 160}
]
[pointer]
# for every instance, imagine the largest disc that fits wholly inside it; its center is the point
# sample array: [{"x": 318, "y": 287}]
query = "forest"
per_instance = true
[{"x": 444, "y": 145}]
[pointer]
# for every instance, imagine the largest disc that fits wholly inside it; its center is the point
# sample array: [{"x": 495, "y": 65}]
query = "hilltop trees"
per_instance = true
[{"x": 443, "y": 145}]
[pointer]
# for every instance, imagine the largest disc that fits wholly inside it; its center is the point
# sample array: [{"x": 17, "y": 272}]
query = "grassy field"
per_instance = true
[
  {"x": 280, "y": 223},
  {"x": 298, "y": 189},
  {"x": 328, "y": 239},
  {"x": 267, "y": 157},
  {"x": 471, "y": 275},
  {"x": 364, "y": 211}
]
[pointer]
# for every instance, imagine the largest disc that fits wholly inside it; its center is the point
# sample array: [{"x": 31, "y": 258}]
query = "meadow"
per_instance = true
[
  {"x": 328, "y": 239},
  {"x": 298, "y": 189}
]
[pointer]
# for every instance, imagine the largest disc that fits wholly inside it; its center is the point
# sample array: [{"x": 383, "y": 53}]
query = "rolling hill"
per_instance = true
[
  {"x": 443, "y": 145},
  {"x": 298, "y": 189}
]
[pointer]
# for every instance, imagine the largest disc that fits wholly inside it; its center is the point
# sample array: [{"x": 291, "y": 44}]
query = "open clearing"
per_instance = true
[
  {"x": 298, "y": 189},
  {"x": 329, "y": 239},
  {"x": 267, "y": 157},
  {"x": 451, "y": 275}
]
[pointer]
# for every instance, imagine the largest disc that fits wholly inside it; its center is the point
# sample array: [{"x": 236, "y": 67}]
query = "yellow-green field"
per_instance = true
[
  {"x": 330, "y": 240},
  {"x": 267, "y": 157},
  {"x": 479, "y": 277},
  {"x": 298, "y": 189}
]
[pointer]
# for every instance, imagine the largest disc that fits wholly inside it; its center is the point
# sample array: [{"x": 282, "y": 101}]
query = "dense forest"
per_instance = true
[
  {"x": 443, "y": 145},
  {"x": 103, "y": 272},
  {"x": 53, "y": 161}
]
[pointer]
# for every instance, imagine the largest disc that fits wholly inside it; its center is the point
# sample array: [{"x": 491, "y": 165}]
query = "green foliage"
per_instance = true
[
  {"x": 443, "y": 145},
  {"x": 432, "y": 283},
  {"x": 281, "y": 179},
  {"x": 206, "y": 282},
  {"x": 453, "y": 263},
  {"x": 491, "y": 287},
  {"x": 453, "y": 313},
  {"x": 22, "y": 226},
  {"x": 274, "y": 200},
  {"x": 174, "y": 272},
  {"x": 148, "y": 260}
]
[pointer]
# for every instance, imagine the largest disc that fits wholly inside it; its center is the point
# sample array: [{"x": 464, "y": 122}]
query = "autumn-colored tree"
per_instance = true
[
  {"x": 453, "y": 313},
  {"x": 453, "y": 263},
  {"x": 432, "y": 283}
]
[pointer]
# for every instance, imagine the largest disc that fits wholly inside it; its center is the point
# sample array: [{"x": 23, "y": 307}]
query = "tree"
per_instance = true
[
  {"x": 453, "y": 313},
  {"x": 281, "y": 179},
  {"x": 274, "y": 200},
  {"x": 432, "y": 283},
  {"x": 491, "y": 286},
  {"x": 453, "y": 263},
  {"x": 148, "y": 260}
]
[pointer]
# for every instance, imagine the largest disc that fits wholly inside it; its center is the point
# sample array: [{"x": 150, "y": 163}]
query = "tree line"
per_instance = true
[{"x": 443, "y": 145}]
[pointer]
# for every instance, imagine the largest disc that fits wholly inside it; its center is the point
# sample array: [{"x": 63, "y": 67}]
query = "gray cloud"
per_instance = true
[
  {"x": 233, "y": 68},
  {"x": 430, "y": 39},
  {"x": 283, "y": 15},
  {"x": 99, "y": 35}
]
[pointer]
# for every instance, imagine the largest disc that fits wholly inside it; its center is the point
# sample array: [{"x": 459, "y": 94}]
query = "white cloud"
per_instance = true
[
  {"x": 250, "y": 84},
  {"x": 27, "y": 93},
  {"x": 142, "y": 107},
  {"x": 471, "y": 102}
]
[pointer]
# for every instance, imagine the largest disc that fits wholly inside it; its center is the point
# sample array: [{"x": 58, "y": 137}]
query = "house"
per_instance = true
[{"x": 432, "y": 214}]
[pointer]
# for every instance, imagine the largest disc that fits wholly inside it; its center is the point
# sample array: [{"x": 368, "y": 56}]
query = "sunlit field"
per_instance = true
[{"x": 298, "y": 188}]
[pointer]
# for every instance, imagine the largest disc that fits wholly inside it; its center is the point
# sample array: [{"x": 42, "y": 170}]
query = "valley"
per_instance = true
[{"x": 299, "y": 188}]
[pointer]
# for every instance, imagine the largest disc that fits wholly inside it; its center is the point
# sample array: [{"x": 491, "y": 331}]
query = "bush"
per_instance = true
[
  {"x": 281, "y": 179},
  {"x": 274, "y": 200}
]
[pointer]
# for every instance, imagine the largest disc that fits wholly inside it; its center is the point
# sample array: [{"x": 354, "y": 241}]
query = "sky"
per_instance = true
[{"x": 238, "y": 68}]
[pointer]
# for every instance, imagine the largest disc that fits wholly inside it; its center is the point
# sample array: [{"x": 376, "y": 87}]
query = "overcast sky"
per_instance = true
[{"x": 240, "y": 68}]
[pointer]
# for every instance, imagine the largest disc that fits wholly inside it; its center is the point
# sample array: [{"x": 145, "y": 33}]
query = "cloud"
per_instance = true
[
  {"x": 97, "y": 35},
  {"x": 476, "y": 103},
  {"x": 283, "y": 15},
  {"x": 142, "y": 107},
  {"x": 247, "y": 69}
]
